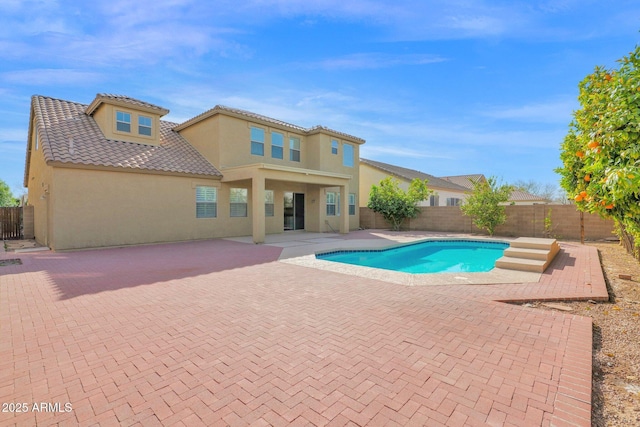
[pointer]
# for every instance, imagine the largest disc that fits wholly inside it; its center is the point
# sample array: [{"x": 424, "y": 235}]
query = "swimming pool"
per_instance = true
[{"x": 431, "y": 256}]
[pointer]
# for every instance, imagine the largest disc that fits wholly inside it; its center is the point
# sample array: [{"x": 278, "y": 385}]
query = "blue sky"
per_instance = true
[{"x": 446, "y": 87}]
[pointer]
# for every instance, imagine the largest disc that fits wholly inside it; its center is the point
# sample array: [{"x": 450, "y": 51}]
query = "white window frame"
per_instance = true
[
  {"x": 348, "y": 155},
  {"x": 334, "y": 146},
  {"x": 352, "y": 204},
  {"x": 144, "y": 126},
  {"x": 122, "y": 125},
  {"x": 269, "y": 204},
  {"x": 206, "y": 202},
  {"x": 238, "y": 206},
  {"x": 331, "y": 203},
  {"x": 257, "y": 145},
  {"x": 277, "y": 149},
  {"x": 454, "y": 201},
  {"x": 293, "y": 150}
]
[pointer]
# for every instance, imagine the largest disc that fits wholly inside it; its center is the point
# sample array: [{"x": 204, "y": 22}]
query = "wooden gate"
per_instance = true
[{"x": 11, "y": 223}]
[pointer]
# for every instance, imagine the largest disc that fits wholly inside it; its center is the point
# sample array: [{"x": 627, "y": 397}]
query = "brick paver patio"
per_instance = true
[{"x": 221, "y": 333}]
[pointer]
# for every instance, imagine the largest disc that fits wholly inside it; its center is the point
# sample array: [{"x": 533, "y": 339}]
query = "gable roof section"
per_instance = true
[
  {"x": 68, "y": 136},
  {"x": 411, "y": 174},
  {"x": 237, "y": 112},
  {"x": 124, "y": 101}
]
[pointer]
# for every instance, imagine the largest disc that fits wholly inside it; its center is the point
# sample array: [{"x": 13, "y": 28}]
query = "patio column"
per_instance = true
[
  {"x": 257, "y": 208},
  {"x": 344, "y": 209}
]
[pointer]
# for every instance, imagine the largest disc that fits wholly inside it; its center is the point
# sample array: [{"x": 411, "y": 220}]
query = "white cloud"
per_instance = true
[
  {"x": 558, "y": 111},
  {"x": 375, "y": 60}
]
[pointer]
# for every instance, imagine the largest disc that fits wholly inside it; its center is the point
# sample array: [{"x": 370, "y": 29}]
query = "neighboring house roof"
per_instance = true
[
  {"x": 465, "y": 181},
  {"x": 259, "y": 117},
  {"x": 411, "y": 174},
  {"x": 523, "y": 196},
  {"x": 67, "y": 135}
]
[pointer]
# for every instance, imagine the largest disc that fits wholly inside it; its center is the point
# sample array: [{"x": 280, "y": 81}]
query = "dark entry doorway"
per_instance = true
[{"x": 293, "y": 211}]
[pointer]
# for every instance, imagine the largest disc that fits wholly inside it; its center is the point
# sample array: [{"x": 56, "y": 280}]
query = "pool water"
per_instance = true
[{"x": 432, "y": 256}]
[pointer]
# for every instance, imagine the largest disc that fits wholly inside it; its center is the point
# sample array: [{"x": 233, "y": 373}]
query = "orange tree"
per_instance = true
[{"x": 601, "y": 152}]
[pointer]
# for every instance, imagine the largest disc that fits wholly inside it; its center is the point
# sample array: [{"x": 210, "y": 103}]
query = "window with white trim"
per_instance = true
[
  {"x": 206, "y": 202},
  {"x": 434, "y": 200},
  {"x": 144, "y": 125},
  {"x": 347, "y": 155},
  {"x": 453, "y": 201},
  {"x": 352, "y": 203},
  {"x": 269, "y": 205},
  {"x": 277, "y": 145},
  {"x": 238, "y": 202},
  {"x": 331, "y": 203},
  {"x": 294, "y": 149},
  {"x": 123, "y": 121},
  {"x": 334, "y": 146},
  {"x": 257, "y": 141}
]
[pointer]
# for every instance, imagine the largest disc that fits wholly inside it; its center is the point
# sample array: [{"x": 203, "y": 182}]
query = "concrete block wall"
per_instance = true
[{"x": 522, "y": 221}]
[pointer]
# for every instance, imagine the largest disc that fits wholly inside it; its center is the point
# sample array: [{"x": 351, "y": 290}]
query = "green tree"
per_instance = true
[
  {"x": 484, "y": 204},
  {"x": 6, "y": 197},
  {"x": 601, "y": 152},
  {"x": 395, "y": 204}
]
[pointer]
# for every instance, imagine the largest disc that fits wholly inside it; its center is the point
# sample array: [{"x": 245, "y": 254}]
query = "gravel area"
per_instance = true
[{"x": 616, "y": 339}]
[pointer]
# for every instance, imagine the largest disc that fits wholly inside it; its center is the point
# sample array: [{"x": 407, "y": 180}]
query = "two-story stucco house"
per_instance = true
[{"x": 114, "y": 173}]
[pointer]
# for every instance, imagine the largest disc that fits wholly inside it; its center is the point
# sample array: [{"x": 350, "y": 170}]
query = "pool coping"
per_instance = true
[{"x": 495, "y": 276}]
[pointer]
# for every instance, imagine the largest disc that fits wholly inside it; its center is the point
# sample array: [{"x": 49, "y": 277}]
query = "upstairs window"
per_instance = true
[
  {"x": 277, "y": 145},
  {"x": 206, "y": 202},
  {"x": 294, "y": 149},
  {"x": 144, "y": 125},
  {"x": 347, "y": 155},
  {"x": 334, "y": 146},
  {"x": 257, "y": 141},
  {"x": 269, "y": 206},
  {"x": 238, "y": 201},
  {"x": 123, "y": 121}
]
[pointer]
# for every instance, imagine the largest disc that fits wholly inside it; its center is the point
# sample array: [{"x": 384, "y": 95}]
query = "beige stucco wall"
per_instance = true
[
  {"x": 40, "y": 187},
  {"x": 522, "y": 221},
  {"x": 106, "y": 208}
]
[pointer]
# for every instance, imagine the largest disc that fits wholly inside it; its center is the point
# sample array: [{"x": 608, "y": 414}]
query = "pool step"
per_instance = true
[{"x": 529, "y": 254}]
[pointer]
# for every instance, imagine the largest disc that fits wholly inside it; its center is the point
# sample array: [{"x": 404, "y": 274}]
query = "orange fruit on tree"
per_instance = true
[
  {"x": 578, "y": 198},
  {"x": 583, "y": 193},
  {"x": 607, "y": 77},
  {"x": 587, "y": 178},
  {"x": 609, "y": 206},
  {"x": 580, "y": 154},
  {"x": 593, "y": 144}
]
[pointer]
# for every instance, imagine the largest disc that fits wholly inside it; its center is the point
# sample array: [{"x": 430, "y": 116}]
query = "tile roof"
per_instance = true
[
  {"x": 123, "y": 99},
  {"x": 411, "y": 174},
  {"x": 68, "y": 135},
  {"x": 465, "y": 181},
  {"x": 237, "y": 111},
  {"x": 523, "y": 196}
]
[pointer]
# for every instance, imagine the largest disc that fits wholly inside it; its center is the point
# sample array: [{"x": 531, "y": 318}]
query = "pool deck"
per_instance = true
[{"x": 222, "y": 332}]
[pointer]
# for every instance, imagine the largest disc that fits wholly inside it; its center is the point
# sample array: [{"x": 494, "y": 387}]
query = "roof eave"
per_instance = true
[{"x": 100, "y": 99}]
